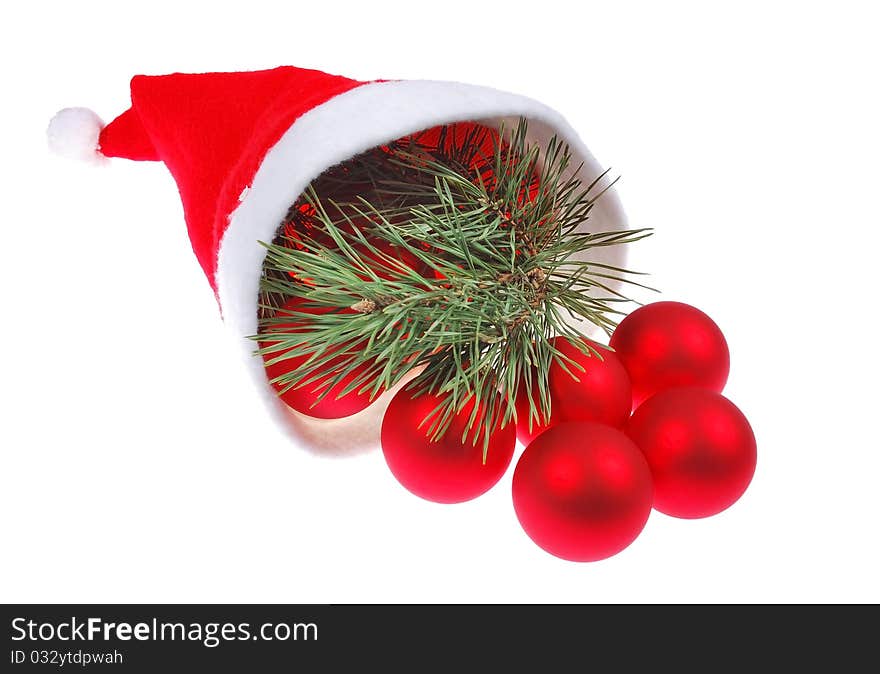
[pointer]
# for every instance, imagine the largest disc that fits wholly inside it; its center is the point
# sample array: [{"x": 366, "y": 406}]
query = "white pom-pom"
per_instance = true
[{"x": 74, "y": 133}]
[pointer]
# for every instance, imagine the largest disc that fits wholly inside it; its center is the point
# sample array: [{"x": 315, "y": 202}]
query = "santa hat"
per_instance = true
[{"x": 242, "y": 147}]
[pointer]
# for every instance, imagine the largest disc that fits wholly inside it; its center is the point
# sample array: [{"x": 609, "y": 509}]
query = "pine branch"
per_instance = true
[{"x": 463, "y": 256}]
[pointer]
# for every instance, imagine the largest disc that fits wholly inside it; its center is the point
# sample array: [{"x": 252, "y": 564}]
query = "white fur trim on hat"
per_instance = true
[{"x": 346, "y": 125}]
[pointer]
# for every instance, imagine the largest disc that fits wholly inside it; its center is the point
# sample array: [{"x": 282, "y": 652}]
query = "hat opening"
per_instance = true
[
  {"x": 340, "y": 224},
  {"x": 320, "y": 149}
]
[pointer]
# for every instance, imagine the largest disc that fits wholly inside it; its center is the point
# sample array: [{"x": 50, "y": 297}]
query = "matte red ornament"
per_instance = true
[
  {"x": 303, "y": 399},
  {"x": 582, "y": 491},
  {"x": 664, "y": 345},
  {"x": 448, "y": 470},
  {"x": 387, "y": 261},
  {"x": 700, "y": 447},
  {"x": 601, "y": 393}
]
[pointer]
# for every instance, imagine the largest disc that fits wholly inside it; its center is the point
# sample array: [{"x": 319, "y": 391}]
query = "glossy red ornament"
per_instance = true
[
  {"x": 582, "y": 491},
  {"x": 664, "y": 345},
  {"x": 601, "y": 393},
  {"x": 448, "y": 470},
  {"x": 700, "y": 447},
  {"x": 303, "y": 399}
]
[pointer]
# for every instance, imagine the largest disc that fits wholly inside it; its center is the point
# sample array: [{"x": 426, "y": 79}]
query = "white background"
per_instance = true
[{"x": 137, "y": 463}]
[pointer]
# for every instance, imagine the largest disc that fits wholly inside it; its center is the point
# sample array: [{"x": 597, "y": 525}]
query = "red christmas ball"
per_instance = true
[
  {"x": 448, "y": 470},
  {"x": 700, "y": 448},
  {"x": 387, "y": 260},
  {"x": 601, "y": 393},
  {"x": 582, "y": 491},
  {"x": 669, "y": 344},
  {"x": 303, "y": 398}
]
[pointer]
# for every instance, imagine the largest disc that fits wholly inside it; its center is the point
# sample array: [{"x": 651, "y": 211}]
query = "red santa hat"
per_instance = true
[{"x": 242, "y": 147}]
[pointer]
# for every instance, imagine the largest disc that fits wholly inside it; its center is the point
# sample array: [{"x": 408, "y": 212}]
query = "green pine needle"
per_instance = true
[{"x": 463, "y": 256}]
